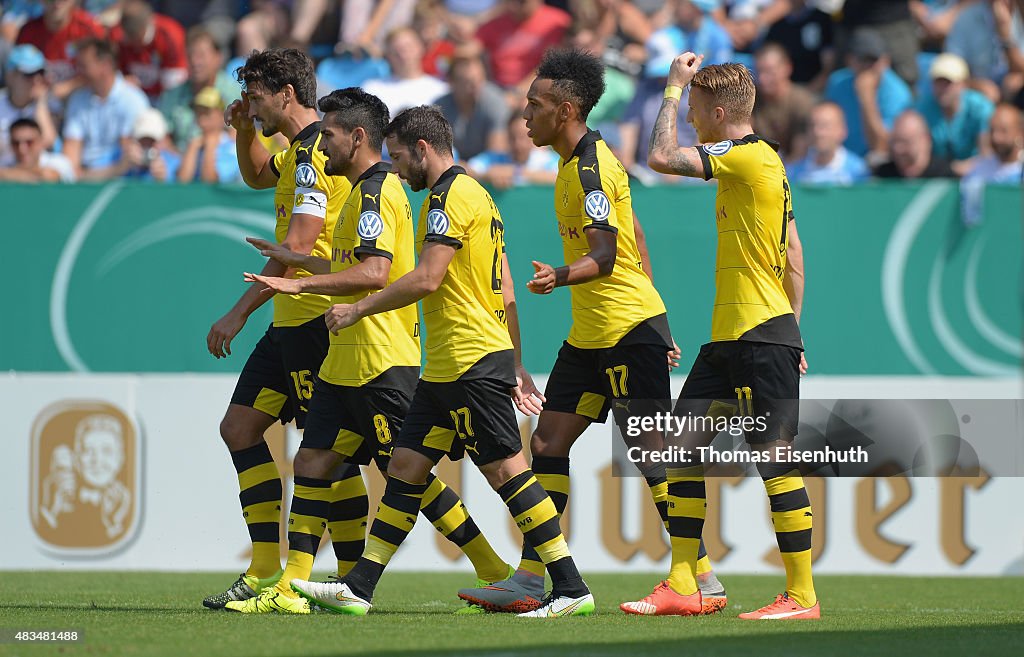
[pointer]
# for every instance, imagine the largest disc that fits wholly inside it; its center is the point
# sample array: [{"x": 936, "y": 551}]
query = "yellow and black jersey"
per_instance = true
[
  {"x": 592, "y": 193},
  {"x": 376, "y": 220},
  {"x": 465, "y": 318},
  {"x": 753, "y": 209},
  {"x": 304, "y": 188}
]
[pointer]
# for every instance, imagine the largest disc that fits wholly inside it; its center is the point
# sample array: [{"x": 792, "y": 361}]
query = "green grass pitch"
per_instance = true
[{"x": 160, "y": 614}]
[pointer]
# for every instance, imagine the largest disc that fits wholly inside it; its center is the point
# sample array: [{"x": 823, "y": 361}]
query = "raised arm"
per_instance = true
[
  {"x": 664, "y": 154},
  {"x": 254, "y": 162}
]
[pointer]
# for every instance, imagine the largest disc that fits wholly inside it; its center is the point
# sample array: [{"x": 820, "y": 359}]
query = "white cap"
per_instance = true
[
  {"x": 150, "y": 123},
  {"x": 948, "y": 66}
]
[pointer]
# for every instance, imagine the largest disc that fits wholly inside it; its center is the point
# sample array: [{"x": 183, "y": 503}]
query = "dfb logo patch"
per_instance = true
[
  {"x": 305, "y": 175},
  {"x": 438, "y": 222},
  {"x": 719, "y": 149},
  {"x": 598, "y": 206},
  {"x": 371, "y": 225}
]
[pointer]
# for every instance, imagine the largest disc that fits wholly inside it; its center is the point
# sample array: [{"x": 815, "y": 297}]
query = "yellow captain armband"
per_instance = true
[{"x": 672, "y": 91}]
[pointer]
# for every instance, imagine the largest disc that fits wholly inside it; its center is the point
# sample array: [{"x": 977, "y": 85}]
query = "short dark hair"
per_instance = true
[
  {"x": 425, "y": 122},
  {"x": 577, "y": 76},
  {"x": 103, "y": 48},
  {"x": 25, "y": 122},
  {"x": 198, "y": 33},
  {"x": 275, "y": 68},
  {"x": 357, "y": 109}
]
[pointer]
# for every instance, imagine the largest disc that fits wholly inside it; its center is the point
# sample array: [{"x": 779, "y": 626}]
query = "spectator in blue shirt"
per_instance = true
[
  {"x": 524, "y": 164},
  {"x": 958, "y": 117},
  {"x": 828, "y": 162},
  {"x": 870, "y": 93},
  {"x": 210, "y": 157},
  {"x": 149, "y": 155},
  {"x": 1002, "y": 167},
  {"x": 99, "y": 117}
]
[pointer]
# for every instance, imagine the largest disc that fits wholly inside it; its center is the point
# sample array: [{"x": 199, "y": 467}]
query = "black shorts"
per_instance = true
[
  {"x": 472, "y": 415},
  {"x": 279, "y": 376},
  {"x": 360, "y": 423},
  {"x": 759, "y": 379},
  {"x": 584, "y": 381}
]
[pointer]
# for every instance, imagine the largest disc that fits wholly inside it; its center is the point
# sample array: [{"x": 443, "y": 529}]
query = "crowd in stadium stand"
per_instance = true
[{"x": 852, "y": 90}]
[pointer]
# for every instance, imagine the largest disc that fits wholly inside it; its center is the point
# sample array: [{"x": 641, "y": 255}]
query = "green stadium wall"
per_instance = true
[{"x": 129, "y": 277}]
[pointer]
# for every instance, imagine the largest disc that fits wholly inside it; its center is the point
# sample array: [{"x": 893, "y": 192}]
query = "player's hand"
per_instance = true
[
  {"x": 673, "y": 356},
  {"x": 276, "y": 251},
  {"x": 526, "y": 396},
  {"x": 683, "y": 68},
  {"x": 341, "y": 315},
  {"x": 236, "y": 115},
  {"x": 223, "y": 331},
  {"x": 275, "y": 284},
  {"x": 803, "y": 364},
  {"x": 543, "y": 279}
]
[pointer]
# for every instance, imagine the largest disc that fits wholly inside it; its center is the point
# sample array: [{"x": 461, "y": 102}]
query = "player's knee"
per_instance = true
[
  {"x": 409, "y": 466},
  {"x": 314, "y": 463},
  {"x": 543, "y": 443},
  {"x": 237, "y": 436}
]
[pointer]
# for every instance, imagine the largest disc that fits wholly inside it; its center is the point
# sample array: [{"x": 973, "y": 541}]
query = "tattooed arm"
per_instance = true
[{"x": 664, "y": 154}]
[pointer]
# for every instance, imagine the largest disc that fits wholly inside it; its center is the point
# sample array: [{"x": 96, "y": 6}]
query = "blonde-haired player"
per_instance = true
[{"x": 755, "y": 357}]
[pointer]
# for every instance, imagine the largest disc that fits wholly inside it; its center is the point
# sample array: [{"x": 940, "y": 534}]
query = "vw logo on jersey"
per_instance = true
[
  {"x": 305, "y": 175},
  {"x": 597, "y": 205},
  {"x": 370, "y": 225},
  {"x": 719, "y": 149},
  {"x": 437, "y": 222}
]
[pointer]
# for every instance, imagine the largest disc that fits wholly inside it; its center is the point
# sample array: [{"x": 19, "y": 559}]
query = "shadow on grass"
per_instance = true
[{"x": 990, "y": 639}]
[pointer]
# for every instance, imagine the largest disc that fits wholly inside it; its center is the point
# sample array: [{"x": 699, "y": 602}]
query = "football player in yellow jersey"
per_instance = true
[
  {"x": 755, "y": 357},
  {"x": 620, "y": 337},
  {"x": 366, "y": 382},
  {"x": 277, "y": 380},
  {"x": 462, "y": 400}
]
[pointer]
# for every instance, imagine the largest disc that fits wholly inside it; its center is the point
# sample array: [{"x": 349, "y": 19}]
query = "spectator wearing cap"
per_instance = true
[
  {"x": 407, "y": 85},
  {"x": 910, "y": 151},
  {"x": 151, "y": 48},
  {"x": 957, "y": 116},
  {"x": 476, "y": 109},
  {"x": 1002, "y": 167},
  {"x": 205, "y": 61},
  {"x": 989, "y": 35},
  {"x": 781, "y": 108},
  {"x": 99, "y": 117},
  {"x": 55, "y": 34},
  {"x": 32, "y": 163},
  {"x": 828, "y": 162},
  {"x": 149, "y": 155},
  {"x": 522, "y": 164},
  {"x": 870, "y": 93},
  {"x": 515, "y": 40},
  {"x": 210, "y": 157},
  {"x": 25, "y": 97}
]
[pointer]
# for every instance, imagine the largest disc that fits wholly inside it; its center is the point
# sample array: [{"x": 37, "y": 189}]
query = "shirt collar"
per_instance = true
[
  {"x": 591, "y": 137},
  {"x": 380, "y": 166},
  {"x": 452, "y": 171},
  {"x": 306, "y": 132}
]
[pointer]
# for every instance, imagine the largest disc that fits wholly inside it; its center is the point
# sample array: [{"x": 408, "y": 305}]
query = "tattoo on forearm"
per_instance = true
[{"x": 664, "y": 133}]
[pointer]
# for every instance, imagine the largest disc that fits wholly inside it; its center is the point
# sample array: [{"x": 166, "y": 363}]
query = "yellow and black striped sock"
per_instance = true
[
  {"x": 307, "y": 519},
  {"x": 686, "y": 511},
  {"x": 396, "y": 516},
  {"x": 791, "y": 516},
  {"x": 260, "y": 491},
  {"x": 658, "y": 485},
  {"x": 346, "y": 521},
  {"x": 445, "y": 510},
  {"x": 537, "y": 518},
  {"x": 553, "y": 474}
]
